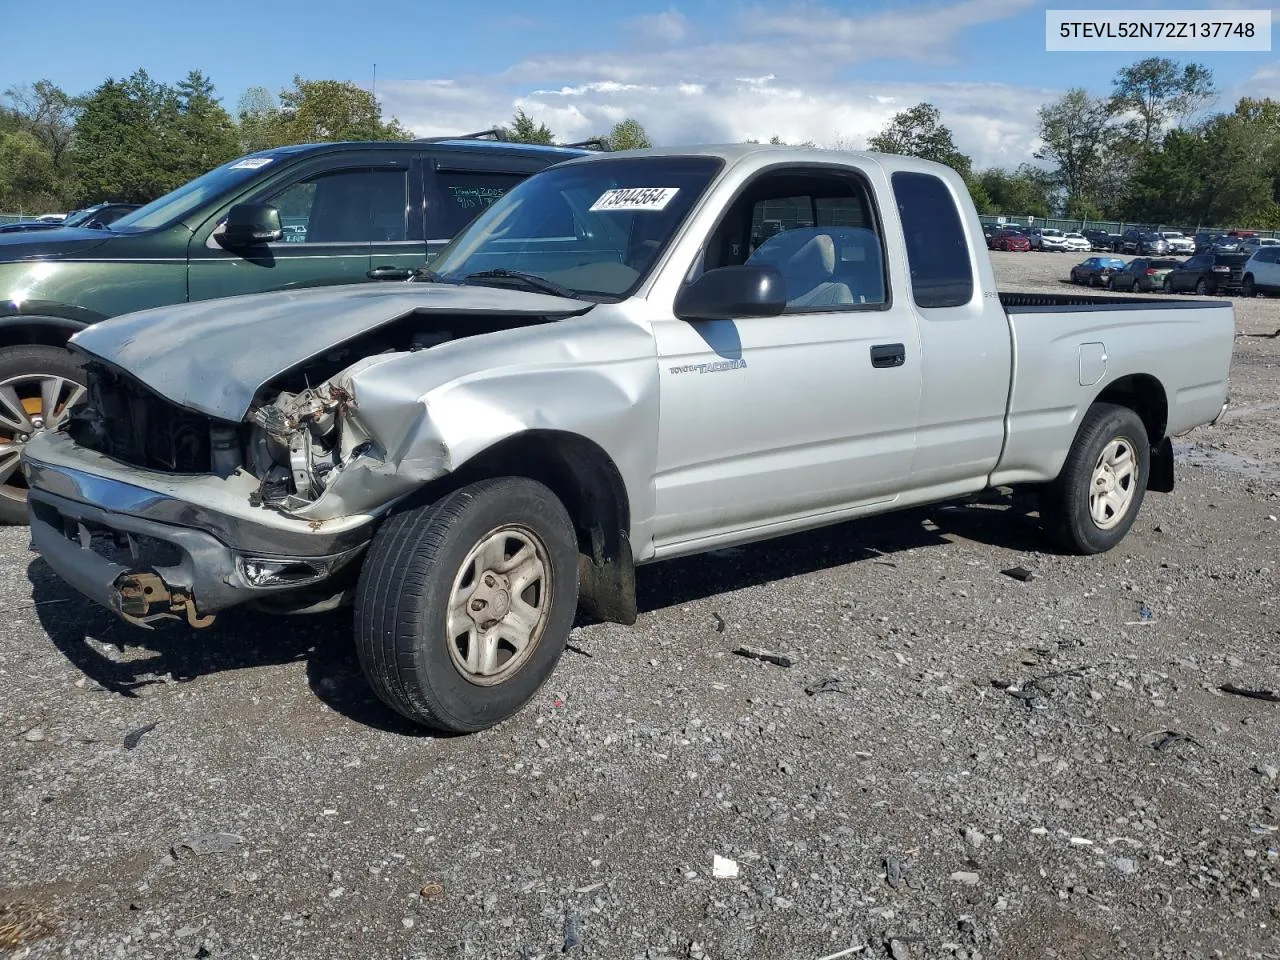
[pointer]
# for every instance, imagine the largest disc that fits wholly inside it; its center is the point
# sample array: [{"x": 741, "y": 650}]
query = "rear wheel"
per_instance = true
[
  {"x": 38, "y": 387},
  {"x": 1247, "y": 289},
  {"x": 1167, "y": 286},
  {"x": 1094, "y": 501},
  {"x": 464, "y": 606}
]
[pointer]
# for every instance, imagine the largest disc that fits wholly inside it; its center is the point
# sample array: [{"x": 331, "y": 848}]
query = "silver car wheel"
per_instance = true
[
  {"x": 499, "y": 605},
  {"x": 28, "y": 404},
  {"x": 1113, "y": 483}
]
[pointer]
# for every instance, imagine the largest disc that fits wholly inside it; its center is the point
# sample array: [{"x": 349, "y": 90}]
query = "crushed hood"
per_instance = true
[{"x": 214, "y": 355}]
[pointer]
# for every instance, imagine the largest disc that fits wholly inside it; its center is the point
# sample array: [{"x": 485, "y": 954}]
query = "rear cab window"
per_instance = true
[{"x": 936, "y": 241}]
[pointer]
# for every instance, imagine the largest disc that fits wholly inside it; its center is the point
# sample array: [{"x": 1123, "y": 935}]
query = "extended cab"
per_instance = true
[
  {"x": 274, "y": 220},
  {"x": 605, "y": 370}
]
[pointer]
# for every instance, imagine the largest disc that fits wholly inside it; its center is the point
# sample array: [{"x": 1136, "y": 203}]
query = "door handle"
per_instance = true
[
  {"x": 888, "y": 355},
  {"x": 389, "y": 273}
]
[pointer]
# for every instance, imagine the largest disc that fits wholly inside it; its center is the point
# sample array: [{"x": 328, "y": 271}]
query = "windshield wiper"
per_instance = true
[{"x": 528, "y": 279}]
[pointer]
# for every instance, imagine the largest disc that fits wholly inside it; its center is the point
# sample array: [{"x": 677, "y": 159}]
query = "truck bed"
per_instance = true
[{"x": 1014, "y": 302}]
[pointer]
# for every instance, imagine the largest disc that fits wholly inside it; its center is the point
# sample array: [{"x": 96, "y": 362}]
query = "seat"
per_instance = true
[{"x": 806, "y": 258}]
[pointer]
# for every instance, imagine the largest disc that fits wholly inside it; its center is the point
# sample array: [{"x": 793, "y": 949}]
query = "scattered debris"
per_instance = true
[
  {"x": 1265, "y": 336},
  {"x": 719, "y": 622},
  {"x": 1166, "y": 738},
  {"x": 1125, "y": 865},
  {"x": 722, "y": 868},
  {"x": 968, "y": 878},
  {"x": 844, "y": 953},
  {"x": 1144, "y": 612},
  {"x": 973, "y": 838},
  {"x": 1266, "y": 695},
  {"x": 34, "y": 735},
  {"x": 577, "y": 649},
  {"x": 827, "y": 685},
  {"x": 206, "y": 844},
  {"x": 23, "y": 922},
  {"x": 572, "y": 932},
  {"x": 768, "y": 656},
  {"x": 134, "y": 737},
  {"x": 1267, "y": 770},
  {"x": 898, "y": 873},
  {"x": 432, "y": 891},
  {"x": 1021, "y": 574}
]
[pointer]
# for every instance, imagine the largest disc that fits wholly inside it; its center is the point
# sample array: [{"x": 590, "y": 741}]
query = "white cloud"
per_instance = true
[
  {"x": 668, "y": 27},
  {"x": 718, "y": 92}
]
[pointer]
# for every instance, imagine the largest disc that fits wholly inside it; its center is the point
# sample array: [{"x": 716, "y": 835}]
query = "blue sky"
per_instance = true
[{"x": 689, "y": 71}]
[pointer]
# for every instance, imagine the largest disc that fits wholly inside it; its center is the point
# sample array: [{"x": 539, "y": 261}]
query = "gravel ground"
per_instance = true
[{"x": 959, "y": 764}]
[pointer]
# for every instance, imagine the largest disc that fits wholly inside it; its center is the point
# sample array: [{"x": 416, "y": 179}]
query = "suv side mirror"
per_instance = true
[
  {"x": 731, "y": 293},
  {"x": 249, "y": 224}
]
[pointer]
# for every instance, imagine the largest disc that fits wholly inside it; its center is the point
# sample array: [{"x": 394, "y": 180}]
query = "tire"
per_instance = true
[
  {"x": 1167, "y": 286},
  {"x": 1202, "y": 287},
  {"x": 1247, "y": 288},
  {"x": 422, "y": 557},
  {"x": 23, "y": 371},
  {"x": 1067, "y": 507}
]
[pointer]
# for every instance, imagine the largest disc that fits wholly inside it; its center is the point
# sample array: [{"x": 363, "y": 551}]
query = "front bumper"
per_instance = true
[{"x": 155, "y": 546}]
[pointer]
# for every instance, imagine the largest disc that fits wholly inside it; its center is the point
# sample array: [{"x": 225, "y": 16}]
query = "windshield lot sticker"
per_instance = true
[
  {"x": 635, "y": 198},
  {"x": 251, "y": 163}
]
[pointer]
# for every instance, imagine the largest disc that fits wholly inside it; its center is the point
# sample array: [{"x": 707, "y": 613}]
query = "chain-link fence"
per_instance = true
[{"x": 1116, "y": 226}]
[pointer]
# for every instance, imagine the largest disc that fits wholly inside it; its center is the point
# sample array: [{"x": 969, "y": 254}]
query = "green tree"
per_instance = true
[
  {"x": 48, "y": 113},
  {"x": 524, "y": 129},
  {"x": 1075, "y": 131},
  {"x": 259, "y": 120},
  {"x": 920, "y": 132},
  {"x": 127, "y": 142},
  {"x": 206, "y": 132},
  {"x": 1157, "y": 92},
  {"x": 1026, "y": 191},
  {"x": 28, "y": 180},
  {"x": 628, "y": 135},
  {"x": 313, "y": 111}
]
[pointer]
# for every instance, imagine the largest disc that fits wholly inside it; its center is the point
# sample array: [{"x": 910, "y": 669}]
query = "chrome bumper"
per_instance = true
[{"x": 151, "y": 554}]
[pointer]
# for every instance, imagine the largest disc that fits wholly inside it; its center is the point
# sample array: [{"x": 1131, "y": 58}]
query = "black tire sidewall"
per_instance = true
[
  {"x": 1068, "y": 506},
  {"x": 29, "y": 359},
  {"x": 435, "y": 693}
]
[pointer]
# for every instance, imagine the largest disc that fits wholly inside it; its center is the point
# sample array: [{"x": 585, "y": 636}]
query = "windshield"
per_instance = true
[
  {"x": 594, "y": 228},
  {"x": 178, "y": 203}
]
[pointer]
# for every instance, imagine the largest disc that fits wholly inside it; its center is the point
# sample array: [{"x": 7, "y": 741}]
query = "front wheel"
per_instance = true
[
  {"x": 38, "y": 387},
  {"x": 1202, "y": 287},
  {"x": 1167, "y": 286},
  {"x": 1247, "y": 289},
  {"x": 1094, "y": 501},
  {"x": 464, "y": 605}
]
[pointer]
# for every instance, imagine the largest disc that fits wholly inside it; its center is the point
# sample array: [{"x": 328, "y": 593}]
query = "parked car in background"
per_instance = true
[
  {"x": 1096, "y": 270},
  {"x": 1048, "y": 239},
  {"x": 1204, "y": 241},
  {"x": 1101, "y": 239},
  {"x": 1261, "y": 272},
  {"x": 1252, "y": 245},
  {"x": 1207, "y": 273},
  {"x": 356, "y": 213},
  {"x": 99, "y": 215},
  {"x": 1228, "y": 243},
  {"x": 1178, "y": 242},
  {"x": 1142, "y": 275},
  {"x": 1010, "y": 240},
  {"x": 1143, "y": 242},
  {"x": 471, "y": 458},
  {"x": 1076, "y": 243}
]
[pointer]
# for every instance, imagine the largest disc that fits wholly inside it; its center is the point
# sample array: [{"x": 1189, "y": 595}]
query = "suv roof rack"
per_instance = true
[
  {"x": 594, "y": 143},
  {"x": 497, "y": 133}
]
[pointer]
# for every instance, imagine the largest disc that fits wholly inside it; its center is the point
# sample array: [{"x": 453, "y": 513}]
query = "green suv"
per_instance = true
[{"x": 290, "y": 217}]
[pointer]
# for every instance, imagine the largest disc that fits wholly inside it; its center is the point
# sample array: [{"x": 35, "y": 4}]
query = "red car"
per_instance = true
[{"x": 1010, "y": 240}]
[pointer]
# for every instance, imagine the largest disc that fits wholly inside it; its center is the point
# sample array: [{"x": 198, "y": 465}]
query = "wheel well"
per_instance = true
[
  {"x": 588, "y": 483},
  {"x": 1143, "y": 394},
  {"x": 52, "y": 333}
]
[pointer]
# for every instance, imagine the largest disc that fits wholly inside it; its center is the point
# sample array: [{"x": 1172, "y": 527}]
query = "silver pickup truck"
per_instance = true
[{"x": 626, "y": 358}]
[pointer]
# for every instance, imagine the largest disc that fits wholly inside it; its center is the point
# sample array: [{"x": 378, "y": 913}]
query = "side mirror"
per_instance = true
[
  {"x": 731, "y": 293},
  {"x": 249, "y": 224}
]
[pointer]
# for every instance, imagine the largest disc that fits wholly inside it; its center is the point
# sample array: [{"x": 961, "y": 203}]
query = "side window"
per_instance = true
[
  {"x": 937, "y": 246},
  {"x": 819, "y": 229},
  {"x": 1197, "y": 263},
  {"x": 464, "y": 195},
  {"x": 345, "y": 206}
]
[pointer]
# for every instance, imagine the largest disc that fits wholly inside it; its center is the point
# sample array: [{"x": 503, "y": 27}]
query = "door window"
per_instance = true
[
  {"x": 464, "y": 195},
  {"x": 937, "y": 244},
  {"x": 345, "y": 206}
]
